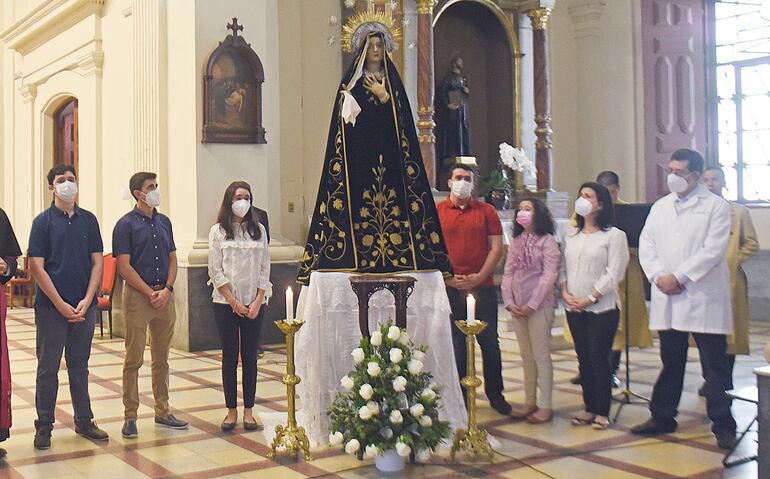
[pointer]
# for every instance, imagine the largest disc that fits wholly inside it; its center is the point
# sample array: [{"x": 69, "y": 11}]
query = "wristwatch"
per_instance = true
[
  {"x": 593, "y": 298},
  {"x": 169, "y": 287}
]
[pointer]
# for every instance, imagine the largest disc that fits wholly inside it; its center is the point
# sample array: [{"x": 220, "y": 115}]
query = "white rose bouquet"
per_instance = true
[{"x": 388, "y": 401}]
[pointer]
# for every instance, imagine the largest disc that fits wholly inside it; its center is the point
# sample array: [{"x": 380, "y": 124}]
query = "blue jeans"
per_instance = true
[{"x": 54, "y": 336}]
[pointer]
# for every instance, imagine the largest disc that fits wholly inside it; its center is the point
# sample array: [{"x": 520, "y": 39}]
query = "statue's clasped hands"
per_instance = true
[{"x": 376, "y": 87}]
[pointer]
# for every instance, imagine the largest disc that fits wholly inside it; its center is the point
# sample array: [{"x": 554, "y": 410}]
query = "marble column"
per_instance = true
[
  {"x": 539, "y": 18},
  {"x": 426, "y": 87},
  {"x": 148, "y": 81}
]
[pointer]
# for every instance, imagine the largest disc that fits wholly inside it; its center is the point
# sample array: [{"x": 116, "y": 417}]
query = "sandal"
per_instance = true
[
  {"x": 523, "y": 412},
  {"x": 582, "y": 420},
  {"x": 600, "y": 424},
  {"x": 540, "y": 416}
]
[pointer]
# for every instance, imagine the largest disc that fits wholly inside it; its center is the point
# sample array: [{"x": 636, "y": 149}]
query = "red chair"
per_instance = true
[
  {"x": 104, "y": 302},
  {"x": 22, "y": 280}
]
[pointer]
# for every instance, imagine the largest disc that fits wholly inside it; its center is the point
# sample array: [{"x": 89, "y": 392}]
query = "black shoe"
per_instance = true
[
  {"x": 615, "y": 381},
  {"x": 129, "y": 429},
  {"x": 654, "y": 426},
  {"x": 3, "y": 453},
  {"x": 702, "y": 390},
  {"x": 42, "y": 439},
  {"x": 725, "y": 440},
  {"x": 576, "y": 379},
  {"x": 91, "y": 431},
  {"x": 500, "y": 405},
  {"x": 170, "y": 421}
]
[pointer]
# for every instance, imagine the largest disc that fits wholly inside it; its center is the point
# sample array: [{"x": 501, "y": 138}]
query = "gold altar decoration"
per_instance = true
[
  {"x": 472, "y": 439},
  {"x": 291, "y": 438},
  {"x": 539, "y": 17}
]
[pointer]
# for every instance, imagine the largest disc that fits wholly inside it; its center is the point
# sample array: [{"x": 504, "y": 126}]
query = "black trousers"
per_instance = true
[
  {"x": 242, "y": 334},
  {"x": 667, "y": 392},
  {"x": 593, "y": 334},
  {"x": 486, "y": 310},
  {"x": 54, "y": 337}
]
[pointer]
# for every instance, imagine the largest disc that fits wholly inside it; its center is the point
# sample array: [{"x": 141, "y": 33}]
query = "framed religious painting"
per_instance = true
[{"x": 232, "y": 92}]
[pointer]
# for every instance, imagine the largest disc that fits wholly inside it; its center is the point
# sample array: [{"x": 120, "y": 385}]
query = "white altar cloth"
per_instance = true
[{"x": 329, "y": 308}]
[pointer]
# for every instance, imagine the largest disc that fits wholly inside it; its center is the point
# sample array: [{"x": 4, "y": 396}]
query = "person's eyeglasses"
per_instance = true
[{"x": 679, "y": 173}]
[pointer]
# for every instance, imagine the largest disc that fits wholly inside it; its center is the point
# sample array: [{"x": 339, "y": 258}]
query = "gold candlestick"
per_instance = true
[
  {"x": 472, "y": 439},
  {"x": 291, "y": 438}
]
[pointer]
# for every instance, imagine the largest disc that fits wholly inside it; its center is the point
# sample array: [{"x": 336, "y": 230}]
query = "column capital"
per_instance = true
[
  {"x": 586, "y": 17},
  {"x": 425, "y": 7},
  {"x": 539, "y": 17}
]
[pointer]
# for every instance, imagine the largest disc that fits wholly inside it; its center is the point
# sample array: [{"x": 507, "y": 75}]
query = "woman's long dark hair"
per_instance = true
[
  {"x": 542, "y": 222},
  {"x": 225, "y": 217},
  {"x": 605, "y": 219}
]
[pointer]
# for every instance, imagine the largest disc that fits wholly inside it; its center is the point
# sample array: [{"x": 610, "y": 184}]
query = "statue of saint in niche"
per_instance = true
[{"x": 455, "y": 127}]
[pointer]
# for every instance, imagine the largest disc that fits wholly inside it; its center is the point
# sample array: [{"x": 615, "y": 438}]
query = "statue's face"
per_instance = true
[
  {"x": 459, "y": 63},
  {"x": 375, "y": 51}
]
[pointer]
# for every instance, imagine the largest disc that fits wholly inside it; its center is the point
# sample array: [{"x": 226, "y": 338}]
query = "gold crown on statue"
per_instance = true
[{"x": 358, "y": 26}]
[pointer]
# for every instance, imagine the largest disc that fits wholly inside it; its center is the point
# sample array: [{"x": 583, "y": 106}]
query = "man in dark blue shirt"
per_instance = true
[
  {"x": 143, "y": 243},
  {"x": 65, "y": 258}
]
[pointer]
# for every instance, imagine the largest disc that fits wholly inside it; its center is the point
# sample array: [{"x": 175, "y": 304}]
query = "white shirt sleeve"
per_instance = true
[
  {"x": 617, "y": 261},
  {"x": 264, "y": 269},
  {"x": 216, "y": 272}
]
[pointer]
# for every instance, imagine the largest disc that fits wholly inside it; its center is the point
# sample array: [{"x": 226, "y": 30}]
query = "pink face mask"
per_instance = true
[{"x": 524, "y": 218}]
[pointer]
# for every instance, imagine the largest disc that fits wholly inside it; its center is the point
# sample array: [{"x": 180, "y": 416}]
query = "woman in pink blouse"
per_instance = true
[{"x": 531, "y": 270}]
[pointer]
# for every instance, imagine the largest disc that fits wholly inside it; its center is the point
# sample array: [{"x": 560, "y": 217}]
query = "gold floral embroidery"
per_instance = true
[{"x": 386, "y": 239}]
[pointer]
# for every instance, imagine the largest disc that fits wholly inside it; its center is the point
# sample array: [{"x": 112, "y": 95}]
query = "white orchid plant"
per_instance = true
[
  {"x": 516, "y": 159},
  {"x": 388, "y": 401}
]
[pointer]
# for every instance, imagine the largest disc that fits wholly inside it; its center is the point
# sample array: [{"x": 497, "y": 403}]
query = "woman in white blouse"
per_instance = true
[
  {"x": 595, "y": 260},
  {"x": 239, "y": 270}
]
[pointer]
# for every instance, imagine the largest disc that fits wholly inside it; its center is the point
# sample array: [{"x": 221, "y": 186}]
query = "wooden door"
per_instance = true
[
  {"x": 674, "y": 67},
  {"x": 66, "y": 134}
]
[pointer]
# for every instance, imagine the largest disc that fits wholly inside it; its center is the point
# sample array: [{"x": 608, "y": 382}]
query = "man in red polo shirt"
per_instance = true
[{"x": 474, "y": 238}]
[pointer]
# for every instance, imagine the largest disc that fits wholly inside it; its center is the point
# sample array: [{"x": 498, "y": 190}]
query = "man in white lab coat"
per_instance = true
[{"x": 682, "y": 251}]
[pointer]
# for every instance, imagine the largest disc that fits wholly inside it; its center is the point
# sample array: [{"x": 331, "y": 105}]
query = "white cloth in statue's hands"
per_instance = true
[{"x": 350, "y": 107}]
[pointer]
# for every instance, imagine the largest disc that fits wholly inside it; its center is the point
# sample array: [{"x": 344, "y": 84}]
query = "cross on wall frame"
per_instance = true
[{"x": 232, "y": 92}]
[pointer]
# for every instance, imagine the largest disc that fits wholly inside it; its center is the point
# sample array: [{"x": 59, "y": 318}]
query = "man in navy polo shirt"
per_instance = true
[
  {"x": 65, "y": 258},
  {"x": 143, "y": 243}
]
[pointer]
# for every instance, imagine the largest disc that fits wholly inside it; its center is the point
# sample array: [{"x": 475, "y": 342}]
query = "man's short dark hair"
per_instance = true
[
  {"x": 59, "y": 169},
  {"x": 693, "y": 158},
  {"x": 461, "y": 166},
  {"x": 607, "y": 178},
  {"x": 137, "y": 181},
  {"x": 719, "y": 171}
]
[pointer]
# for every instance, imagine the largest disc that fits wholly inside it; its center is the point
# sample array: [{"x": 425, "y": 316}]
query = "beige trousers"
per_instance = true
[
  {"x": 140, "y": 316},
  {"x": 534, "y": 336}
]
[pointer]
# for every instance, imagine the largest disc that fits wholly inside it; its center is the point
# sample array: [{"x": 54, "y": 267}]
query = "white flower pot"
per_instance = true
[{"x": 389, "y": 461}]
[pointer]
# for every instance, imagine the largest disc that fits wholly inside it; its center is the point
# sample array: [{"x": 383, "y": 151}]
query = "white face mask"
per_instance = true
[
  {"x": 66, "y": 191},
  {"x": 676, "y": 184},
  {"x": 583, "y": 207},
  {"x": 241, "y": 207},
  {"x": 461, "y": 188},
  {"x": 153, "y": 198}
]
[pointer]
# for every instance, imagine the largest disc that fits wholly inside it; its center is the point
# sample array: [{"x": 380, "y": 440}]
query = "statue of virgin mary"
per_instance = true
[{"x": 374, "y": 212}]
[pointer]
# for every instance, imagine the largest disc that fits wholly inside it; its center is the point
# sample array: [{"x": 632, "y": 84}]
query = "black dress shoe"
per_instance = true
[
  {"x": 702, "y": 390},
  {"x": 3, "y": 453},
  {"x": 90, "y": 430},
  {"x": 615, "y": 381},
  {"x": 576, "y": 379},
  {"x": 725, "y": 440},
  {"x": 500, "y": 405},
  {"x": 42, "y": 439},
  {"x": 654, "y": 426}
]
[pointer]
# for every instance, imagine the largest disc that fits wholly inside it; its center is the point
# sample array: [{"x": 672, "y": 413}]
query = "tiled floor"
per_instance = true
[{"x": 524, "y": 451}]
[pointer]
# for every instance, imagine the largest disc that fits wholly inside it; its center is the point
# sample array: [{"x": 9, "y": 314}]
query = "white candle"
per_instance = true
[
  {"x": 289, "y": 305},
  {"x": 471, "y": 310}
]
